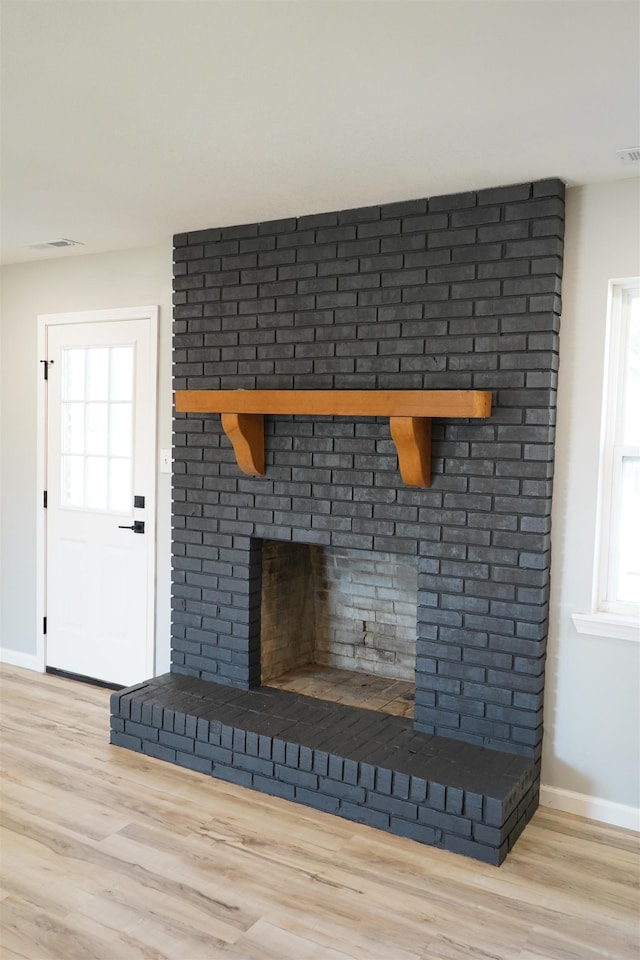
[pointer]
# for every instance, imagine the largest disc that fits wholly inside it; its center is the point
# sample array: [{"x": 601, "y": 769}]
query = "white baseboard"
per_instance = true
[
  {"x": 594, "y": 808},
  {"x": 16, "y": 658}
]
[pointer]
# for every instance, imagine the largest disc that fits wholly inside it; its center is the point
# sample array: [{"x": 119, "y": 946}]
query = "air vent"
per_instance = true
[
  {"x": 630, "y": 155},
  {"x": 49, "y": 244}
]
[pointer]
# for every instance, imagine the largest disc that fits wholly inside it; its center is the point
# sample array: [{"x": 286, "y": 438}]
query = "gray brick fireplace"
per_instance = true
[{"x": 447, "y": 293}]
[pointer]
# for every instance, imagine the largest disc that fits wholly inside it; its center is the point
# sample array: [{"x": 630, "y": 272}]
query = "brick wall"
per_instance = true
[{"x": 442, "y": 293}]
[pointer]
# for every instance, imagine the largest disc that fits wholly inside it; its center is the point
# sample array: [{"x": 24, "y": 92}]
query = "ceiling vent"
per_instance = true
[
  {"x": 49, "y": 244},
  {"x": 630, "y": 155}
]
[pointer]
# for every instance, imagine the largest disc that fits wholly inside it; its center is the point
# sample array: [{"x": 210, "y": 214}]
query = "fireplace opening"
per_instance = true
[{"x": 339, "y": 624}]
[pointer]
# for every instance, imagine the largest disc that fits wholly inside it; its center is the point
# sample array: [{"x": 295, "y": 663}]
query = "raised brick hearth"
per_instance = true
[
  {"x": 360, "y": 764},
  {"x": 458, "y": 292}
]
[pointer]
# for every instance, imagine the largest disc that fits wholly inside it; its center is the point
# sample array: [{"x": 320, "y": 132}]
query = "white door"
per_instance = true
[{"x": 100, "y": 516}]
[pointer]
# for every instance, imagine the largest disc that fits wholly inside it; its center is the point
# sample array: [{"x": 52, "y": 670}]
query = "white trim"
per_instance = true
[
  {"x": 41, "y": 484},
  {"x": 45, "y": 320},
  {"x": 96, "y": 316},
  {"x": 16, "y": 658},
  {"x": 593, "y": 808},
  {"x": 607, "y": 625}
]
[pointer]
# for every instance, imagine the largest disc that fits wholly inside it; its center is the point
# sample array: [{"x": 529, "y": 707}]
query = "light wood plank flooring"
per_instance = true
[{"x": 107, "y": 855}]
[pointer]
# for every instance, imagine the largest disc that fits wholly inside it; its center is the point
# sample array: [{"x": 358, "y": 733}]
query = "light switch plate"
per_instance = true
[{"x": 165, "y": 461}]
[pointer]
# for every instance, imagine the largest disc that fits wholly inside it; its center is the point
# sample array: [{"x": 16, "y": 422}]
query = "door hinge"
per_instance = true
[
  {"x": 46, "y": 368},
  {"x": 44, "y": 625},
  {"x": 44, "y": 499}
]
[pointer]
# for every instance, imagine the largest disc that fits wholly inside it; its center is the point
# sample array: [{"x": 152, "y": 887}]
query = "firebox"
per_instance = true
[{"x": 339, "y": 624}]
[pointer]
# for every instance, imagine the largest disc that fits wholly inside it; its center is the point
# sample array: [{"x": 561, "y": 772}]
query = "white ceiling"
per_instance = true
[{"x": 126, "y": 121}]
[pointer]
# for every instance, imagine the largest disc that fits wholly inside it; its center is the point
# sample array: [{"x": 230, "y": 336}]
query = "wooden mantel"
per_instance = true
[{"x": 409, "y": 411}]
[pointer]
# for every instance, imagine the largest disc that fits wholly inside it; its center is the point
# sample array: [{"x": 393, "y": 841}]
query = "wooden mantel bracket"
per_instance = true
[
  {"x": 412, "y": 437},
  {"x": 410, "y": 413},
  {"x": 246, "y": 432}
]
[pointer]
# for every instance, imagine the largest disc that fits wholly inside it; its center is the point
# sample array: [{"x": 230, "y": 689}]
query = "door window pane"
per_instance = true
[
  {"x": 120, "y": 493},
  {"x": 97, "y": 428},
  {"x": 97, "y": 440},
  {"x": 73, "y": 428},
  {"x": 120, "y": 430},
  {"x": 73, "y": 381},
  {"x": 121, "y": 384},
  {"x": 98, "y": 373},
  {"x": 72, "y": 481},
  {"x": 96, "y": 483}
]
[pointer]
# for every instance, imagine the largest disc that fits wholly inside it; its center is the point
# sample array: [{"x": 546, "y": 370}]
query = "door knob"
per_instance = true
[{"x": 137, "y": 526}]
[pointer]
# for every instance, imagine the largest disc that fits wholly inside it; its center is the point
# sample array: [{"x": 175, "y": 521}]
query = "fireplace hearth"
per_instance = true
[
  {"x": 446, "y": 294},
  {"x": 359, "y": 764}
]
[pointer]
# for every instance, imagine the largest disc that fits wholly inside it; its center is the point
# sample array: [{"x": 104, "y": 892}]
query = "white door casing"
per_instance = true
[{"x": 98, "y": 451}]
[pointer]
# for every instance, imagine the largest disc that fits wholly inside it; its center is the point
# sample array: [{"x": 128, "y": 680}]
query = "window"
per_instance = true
[
  {"x": 97, "y": 438},
  {"x": 616, "y": 591}
]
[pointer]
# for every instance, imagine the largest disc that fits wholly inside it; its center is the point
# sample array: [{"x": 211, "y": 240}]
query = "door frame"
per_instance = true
[{"x": 46, "y": 320}]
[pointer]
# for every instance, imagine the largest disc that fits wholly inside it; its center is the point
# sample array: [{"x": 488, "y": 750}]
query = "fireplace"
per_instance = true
[{"x": 445, "y": 294}]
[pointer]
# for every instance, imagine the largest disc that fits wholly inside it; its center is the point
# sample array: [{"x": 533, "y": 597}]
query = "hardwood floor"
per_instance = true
[{"x": 108, "y": 855}]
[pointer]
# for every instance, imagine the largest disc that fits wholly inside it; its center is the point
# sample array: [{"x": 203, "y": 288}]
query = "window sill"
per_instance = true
[{"x": 607, "y": 625}]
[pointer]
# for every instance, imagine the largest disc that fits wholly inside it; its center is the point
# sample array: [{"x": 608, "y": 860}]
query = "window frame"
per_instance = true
[{"x": 608, "y": 616}]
